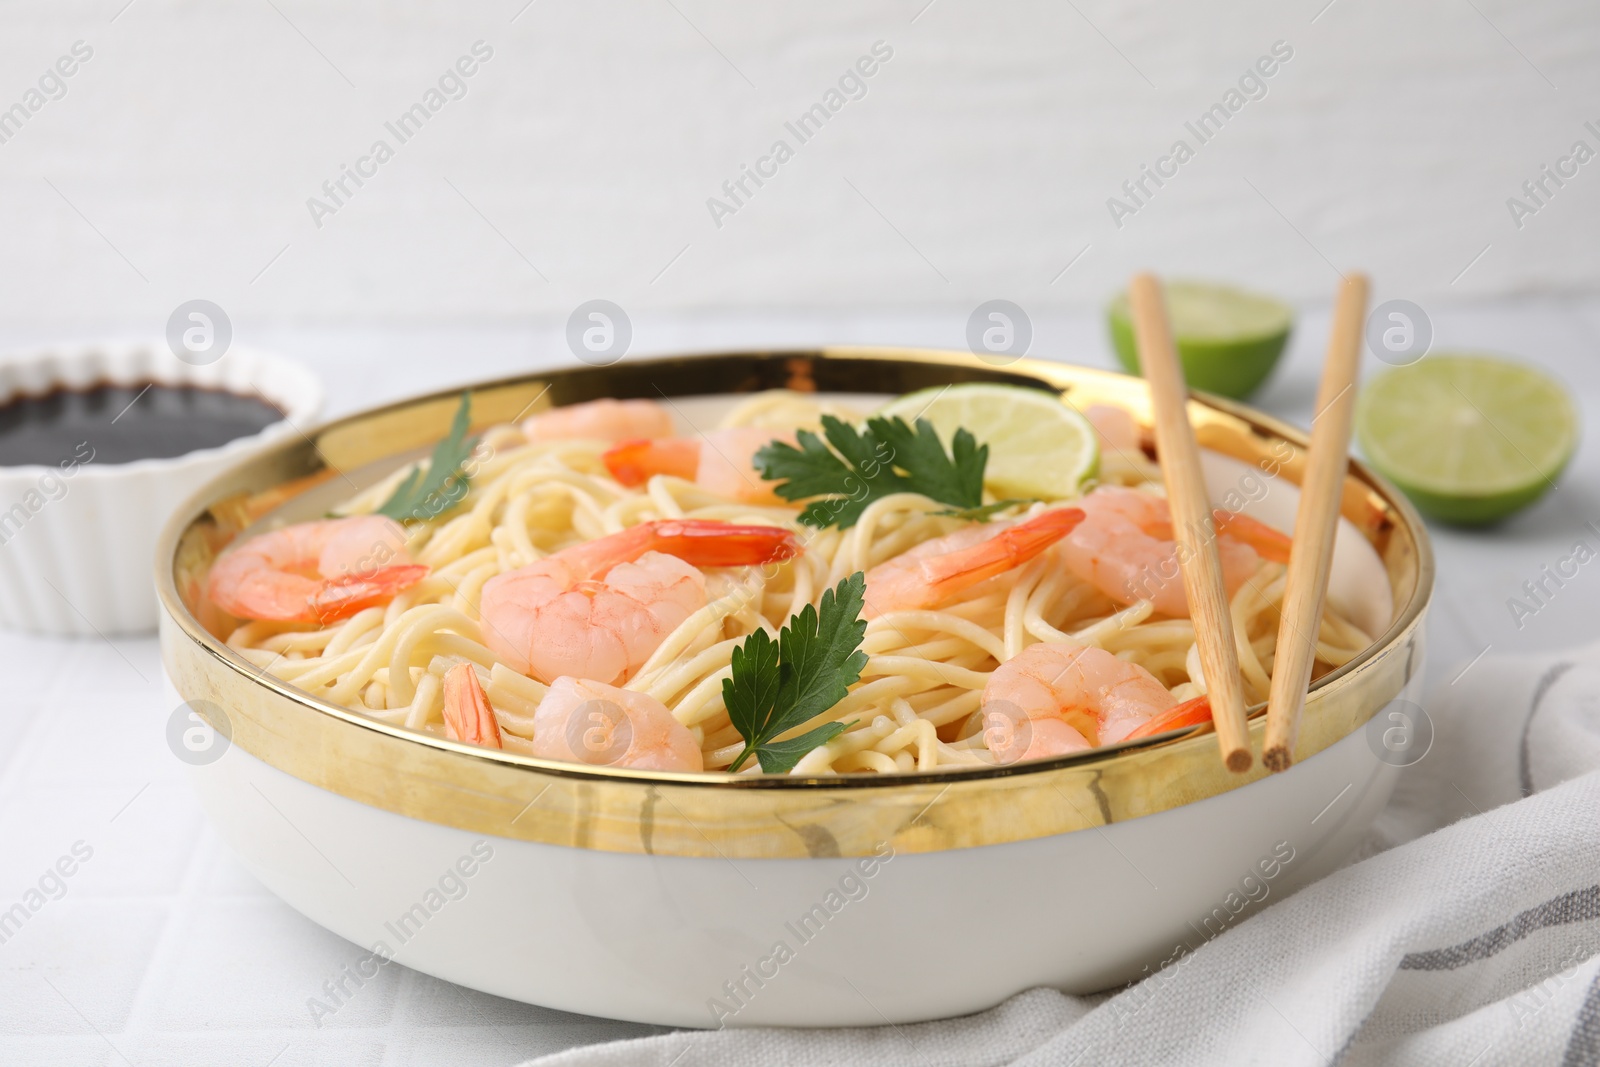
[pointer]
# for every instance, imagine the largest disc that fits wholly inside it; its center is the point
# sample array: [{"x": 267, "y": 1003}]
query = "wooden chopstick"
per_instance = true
[
  {"x": 1192, "y": 523},
  {"x": 1316, "y": 522}
]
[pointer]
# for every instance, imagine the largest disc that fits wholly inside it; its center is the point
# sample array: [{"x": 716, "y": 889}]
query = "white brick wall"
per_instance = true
[{"x": 977, "y": 165}]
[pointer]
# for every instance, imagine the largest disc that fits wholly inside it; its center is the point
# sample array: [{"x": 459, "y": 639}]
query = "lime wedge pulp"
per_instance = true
[
  {"x": 1038, "y": 446},
  {"x": 1228, "y": 340},
  {"x": 1469, "y": 438}
]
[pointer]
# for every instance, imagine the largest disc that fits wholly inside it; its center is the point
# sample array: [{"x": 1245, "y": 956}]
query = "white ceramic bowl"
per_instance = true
[
  {"x": 76, "y": 539},
  {"x": 708, "y": 900},
  {"x": 656, "y": 938}
]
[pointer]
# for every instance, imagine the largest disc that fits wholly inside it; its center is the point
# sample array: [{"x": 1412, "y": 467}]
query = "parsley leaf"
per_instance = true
[
  {"x": 866, "y": 465},
  {"x": 425, "y": 494},
  {"x": 779, "y": 685},
  {"x": 955, "y": 479}
]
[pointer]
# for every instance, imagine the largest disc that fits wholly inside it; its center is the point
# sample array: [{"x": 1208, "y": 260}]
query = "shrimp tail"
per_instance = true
[
  {"x": 632, "y": 463},
  {"x": 708, "y": 543},
  {"x": 468, "y": 715},
  {"x": 341, "y": 597},
  {"x": 1270, "y": 544},
  {"x": 949, "y": 574},
  {"x": 1189, "y": 713}
]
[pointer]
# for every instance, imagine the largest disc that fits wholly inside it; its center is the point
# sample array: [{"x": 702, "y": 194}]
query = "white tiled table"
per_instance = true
[{"x": 162, "y": 950}]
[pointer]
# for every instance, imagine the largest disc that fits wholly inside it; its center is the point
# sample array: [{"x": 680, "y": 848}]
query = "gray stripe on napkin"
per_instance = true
[
  {"x": 1580, "y": 905},
  {"x": 1548, "y": 679},
  {"x": 1583, "y": 1049}
]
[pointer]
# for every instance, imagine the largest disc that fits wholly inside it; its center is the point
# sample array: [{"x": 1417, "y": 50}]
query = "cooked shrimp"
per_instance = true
[
  {"x": 598, "y": 609},
  {"x": 1125, "y": 548},
  {"x": 1114, "y": 426},
  {"x": 1058, "y": 697},
  {"x": 931, "y": 573},
  {"x": 600, "y": 420},
  {"x": 588, "y": 722},
  {"x": 721, "y": 462},
  {"x": 1191, "y": 712},
  {"x": 468, "y": 715},
  {"x": 318, "y": 572}
]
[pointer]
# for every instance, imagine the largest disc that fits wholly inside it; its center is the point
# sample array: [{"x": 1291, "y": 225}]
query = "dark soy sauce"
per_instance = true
[{"x": 123, "y": 423}]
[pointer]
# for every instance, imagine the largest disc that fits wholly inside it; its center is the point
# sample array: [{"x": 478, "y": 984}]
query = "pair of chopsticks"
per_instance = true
[{"x": 1316, "y": 522}]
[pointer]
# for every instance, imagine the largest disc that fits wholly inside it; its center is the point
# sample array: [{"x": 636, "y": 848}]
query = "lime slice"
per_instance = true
[
  {"x": 1038, "y": 446},
  {"x": 1470, "y": 439},
  {"x": 1228, "y": 340}
]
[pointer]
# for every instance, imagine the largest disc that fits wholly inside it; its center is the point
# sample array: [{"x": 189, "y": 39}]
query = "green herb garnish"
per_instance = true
[
  {"x": 779, "y": 685},
  {"x": 426, "y": 493},
  {"x": 866, "y": 465}
]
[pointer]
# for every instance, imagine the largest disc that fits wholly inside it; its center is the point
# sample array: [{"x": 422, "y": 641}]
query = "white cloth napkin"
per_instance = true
[{"x": 1469, "y": 936}]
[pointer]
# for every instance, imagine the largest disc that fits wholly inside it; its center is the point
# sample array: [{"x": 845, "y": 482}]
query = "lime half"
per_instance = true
[
  {"x": 1038, "y": 446},
  {"x": 1228, "y": 340},
  {"x": 1469, "y": 438}
]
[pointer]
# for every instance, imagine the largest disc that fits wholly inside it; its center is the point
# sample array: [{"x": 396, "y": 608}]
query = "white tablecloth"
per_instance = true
[{"x": 160, "y": 949}]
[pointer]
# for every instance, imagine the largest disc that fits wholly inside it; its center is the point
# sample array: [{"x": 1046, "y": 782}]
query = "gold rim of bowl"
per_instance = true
[{"x": 720, "y": 815}]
